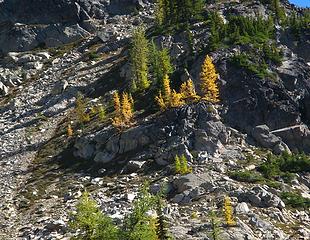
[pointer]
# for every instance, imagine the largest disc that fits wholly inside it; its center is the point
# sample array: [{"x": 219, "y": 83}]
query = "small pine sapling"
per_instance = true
[
  {"x": 177, "y": 164},
  {"x": 185, "y": 169},
  {"x": 215, "y": 226},
  {"x": 101, "y": 113}
]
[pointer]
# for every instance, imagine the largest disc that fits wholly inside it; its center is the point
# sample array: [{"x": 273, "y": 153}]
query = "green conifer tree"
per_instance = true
[{"x": 139, "y": 59}]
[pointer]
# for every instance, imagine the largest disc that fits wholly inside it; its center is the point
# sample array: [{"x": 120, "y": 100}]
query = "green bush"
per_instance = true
[
  {"x": 246, "y": 176},
  {"x": 251, "y": 64},
  {"x": 93, "y": 56},
  {"x": 284, "y": 166},
  {"x": 295, "y": 200}
]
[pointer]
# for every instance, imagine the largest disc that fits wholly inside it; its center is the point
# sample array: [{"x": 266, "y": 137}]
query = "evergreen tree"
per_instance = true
[
  {"x": 279, "y": 11},
  {"x": 161, "y": 226},
  {"x": 214, "y": 226},
  {"x": 176, "y": 12},
  {"x": 139, "y": 59},
  {"x": 160, "y": 12},
  {"x": 91, "y": 222},
  {"x": 137, "y": 225},
  {"x": 209, "y": 78},
  {"x": 160, "y": 64}
]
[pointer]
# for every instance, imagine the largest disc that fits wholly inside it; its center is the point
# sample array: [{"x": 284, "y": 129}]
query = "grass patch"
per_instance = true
[{"x": 247, "y": 176}]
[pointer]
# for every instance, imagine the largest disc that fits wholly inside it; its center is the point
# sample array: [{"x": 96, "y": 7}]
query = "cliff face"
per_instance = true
[
  {"x": 26, "y": 25},
  {"x": 53, "y": 49}
]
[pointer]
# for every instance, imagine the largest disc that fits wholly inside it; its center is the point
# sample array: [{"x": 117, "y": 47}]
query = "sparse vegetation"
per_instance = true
[
  {"x": 80, "y": 109},
  {"x": 247, "y": 176}
]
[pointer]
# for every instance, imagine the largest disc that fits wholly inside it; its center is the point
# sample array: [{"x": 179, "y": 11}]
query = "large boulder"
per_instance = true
[{"x": 296, "y": 137}]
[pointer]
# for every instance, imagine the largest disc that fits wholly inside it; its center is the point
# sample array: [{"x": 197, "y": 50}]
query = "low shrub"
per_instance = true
[{"x": 295, "y": 200}]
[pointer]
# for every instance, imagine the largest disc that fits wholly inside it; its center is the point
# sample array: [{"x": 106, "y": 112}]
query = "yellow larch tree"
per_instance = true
[
  {"x": 188, "y": 91},
  {"x": 160, "y": 101},
  {"x": 166, "y": 88},
  {"x": 123, "y": 109},
  {"x": 69, "y": 130},
  {"x": 164, "y": 96},
  {"x": 228, "y": 212},
  {"x": 117, "y": 107},
  {"x": 209, "y": 77},
  {"x": 176, "y": 99},
  {"x": 126, "y": 108}
]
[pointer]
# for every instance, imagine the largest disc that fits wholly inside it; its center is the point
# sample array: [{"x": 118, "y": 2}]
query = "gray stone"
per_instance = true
[
  {"x": 242, "y": 208},
  {"x": 263, "y": 136},
  {"x": 104, "y": 157}
]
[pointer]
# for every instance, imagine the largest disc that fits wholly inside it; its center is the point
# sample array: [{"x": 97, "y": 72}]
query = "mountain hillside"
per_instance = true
[{"x": 154, "y": 119}]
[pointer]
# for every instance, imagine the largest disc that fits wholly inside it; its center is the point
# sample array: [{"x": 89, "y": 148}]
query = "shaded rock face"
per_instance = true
[
  {"x": 300, "y": 45},
  {"x": 253, "y": 101},
  {"x": 27, "y": 24},
  {"x": 178, "y": 131},
  {"x": 39, "y": 11}
]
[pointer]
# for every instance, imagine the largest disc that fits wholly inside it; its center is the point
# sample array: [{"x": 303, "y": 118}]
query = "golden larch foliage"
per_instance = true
[
  {"x": 123, "y": 110},
  {"x": 166, "y": 88},
  {"x": 160, "y": 101},
  {"x": 228, "y": 212},
  {"x": 126, "y": 108},
  {"x": 188, "y": 91},
  {"x": 69, "y": 130},
  {"x": 208, "y": 77},
  {"x": 176, "y": 99}
]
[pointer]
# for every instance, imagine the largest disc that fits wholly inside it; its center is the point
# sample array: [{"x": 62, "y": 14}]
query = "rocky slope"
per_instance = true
[{"x": 43, "y": 172}]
